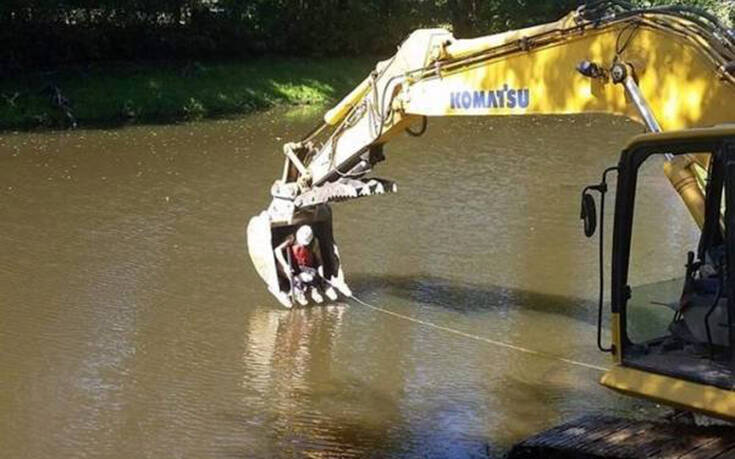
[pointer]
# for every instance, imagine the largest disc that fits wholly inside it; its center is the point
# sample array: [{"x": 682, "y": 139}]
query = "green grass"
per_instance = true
[{"x": 166, "y": 92}]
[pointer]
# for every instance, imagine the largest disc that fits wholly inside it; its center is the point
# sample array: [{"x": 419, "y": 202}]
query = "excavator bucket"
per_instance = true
[{"x": 265, "y": 236}]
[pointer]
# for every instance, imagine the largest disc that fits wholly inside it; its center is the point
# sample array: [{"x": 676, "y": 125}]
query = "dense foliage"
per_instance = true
[{"x": 48, "y": 33}]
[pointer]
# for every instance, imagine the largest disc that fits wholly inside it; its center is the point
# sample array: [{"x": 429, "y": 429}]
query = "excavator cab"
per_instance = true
[{"x": 673, "y": 324}]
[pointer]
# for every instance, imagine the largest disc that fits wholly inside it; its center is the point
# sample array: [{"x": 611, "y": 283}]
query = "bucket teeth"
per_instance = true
[{"x": 344, "y": 189}]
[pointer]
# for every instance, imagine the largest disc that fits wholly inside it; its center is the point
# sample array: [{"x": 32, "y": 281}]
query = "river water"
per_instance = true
[{"x": 133, "y": 325}]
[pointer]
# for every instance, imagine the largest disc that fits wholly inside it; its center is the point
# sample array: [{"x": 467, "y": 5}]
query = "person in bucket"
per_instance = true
[{"x": 304, "y": 266}]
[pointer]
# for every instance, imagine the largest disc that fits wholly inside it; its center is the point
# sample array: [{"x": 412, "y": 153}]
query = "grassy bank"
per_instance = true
[{"x": 165, "y": 92}]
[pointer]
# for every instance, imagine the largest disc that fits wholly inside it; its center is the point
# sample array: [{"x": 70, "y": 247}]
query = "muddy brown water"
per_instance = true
[{"x": 133, "y": 325}]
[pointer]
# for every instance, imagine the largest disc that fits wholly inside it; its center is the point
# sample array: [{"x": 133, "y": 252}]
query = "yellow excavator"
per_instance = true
[{"x": 670, "y": 68}]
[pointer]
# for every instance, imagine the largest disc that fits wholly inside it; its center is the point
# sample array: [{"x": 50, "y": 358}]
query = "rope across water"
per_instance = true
[{"x": 483, "y": 339}]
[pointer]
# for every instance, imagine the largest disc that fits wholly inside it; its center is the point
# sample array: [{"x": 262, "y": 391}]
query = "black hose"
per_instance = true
[
  {"x": 700, "y": 17},
  {"x": 602, "y": 276},
  {"x": 619, "y": 49},
  {"x": 602, "y": 188}
]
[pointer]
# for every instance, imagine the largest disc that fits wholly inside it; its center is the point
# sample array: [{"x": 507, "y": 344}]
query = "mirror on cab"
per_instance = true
[{"x": 588, "y": 214}]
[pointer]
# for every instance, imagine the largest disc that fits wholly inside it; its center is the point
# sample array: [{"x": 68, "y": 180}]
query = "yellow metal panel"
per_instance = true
[
  {"x": 674, "y": 74},
  {"x": 462, "y": 48},
  {"x": 708, "y": 400},
  {"x": 338, "y": 113}
]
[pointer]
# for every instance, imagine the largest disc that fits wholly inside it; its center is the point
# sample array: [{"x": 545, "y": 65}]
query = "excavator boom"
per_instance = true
[{"x": 668, "y": 67}]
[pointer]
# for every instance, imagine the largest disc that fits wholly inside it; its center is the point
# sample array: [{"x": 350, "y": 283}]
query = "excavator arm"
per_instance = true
[{"x": 669, "y": 68}]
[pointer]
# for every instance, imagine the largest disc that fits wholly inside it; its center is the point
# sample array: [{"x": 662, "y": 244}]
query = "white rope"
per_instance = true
[{"x": 513, "y": 347}]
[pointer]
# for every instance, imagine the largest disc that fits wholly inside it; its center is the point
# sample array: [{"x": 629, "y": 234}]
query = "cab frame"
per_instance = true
[{"x": 678, "y": 388}]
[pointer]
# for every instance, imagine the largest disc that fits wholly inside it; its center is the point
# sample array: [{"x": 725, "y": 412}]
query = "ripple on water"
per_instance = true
[{"x": 133, "y": 324}]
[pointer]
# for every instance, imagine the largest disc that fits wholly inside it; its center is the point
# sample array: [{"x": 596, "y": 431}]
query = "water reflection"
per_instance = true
[
  {"x": 278, "y": 343},
  {"x": 287, "y": 354}
]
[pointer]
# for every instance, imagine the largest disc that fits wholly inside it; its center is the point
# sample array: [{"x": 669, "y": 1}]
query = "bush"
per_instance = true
[{"x": 47, "y": 34}]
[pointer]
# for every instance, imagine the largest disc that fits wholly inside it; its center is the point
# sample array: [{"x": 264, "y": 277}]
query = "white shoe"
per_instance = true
[
  {"x": 331, "y": 293},
  {"x": 316, "y": 296},
  {"x": 301, "y": 298}
]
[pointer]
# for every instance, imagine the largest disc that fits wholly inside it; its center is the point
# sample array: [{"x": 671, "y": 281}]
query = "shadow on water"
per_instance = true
[{"x": 469, "y": 298}]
